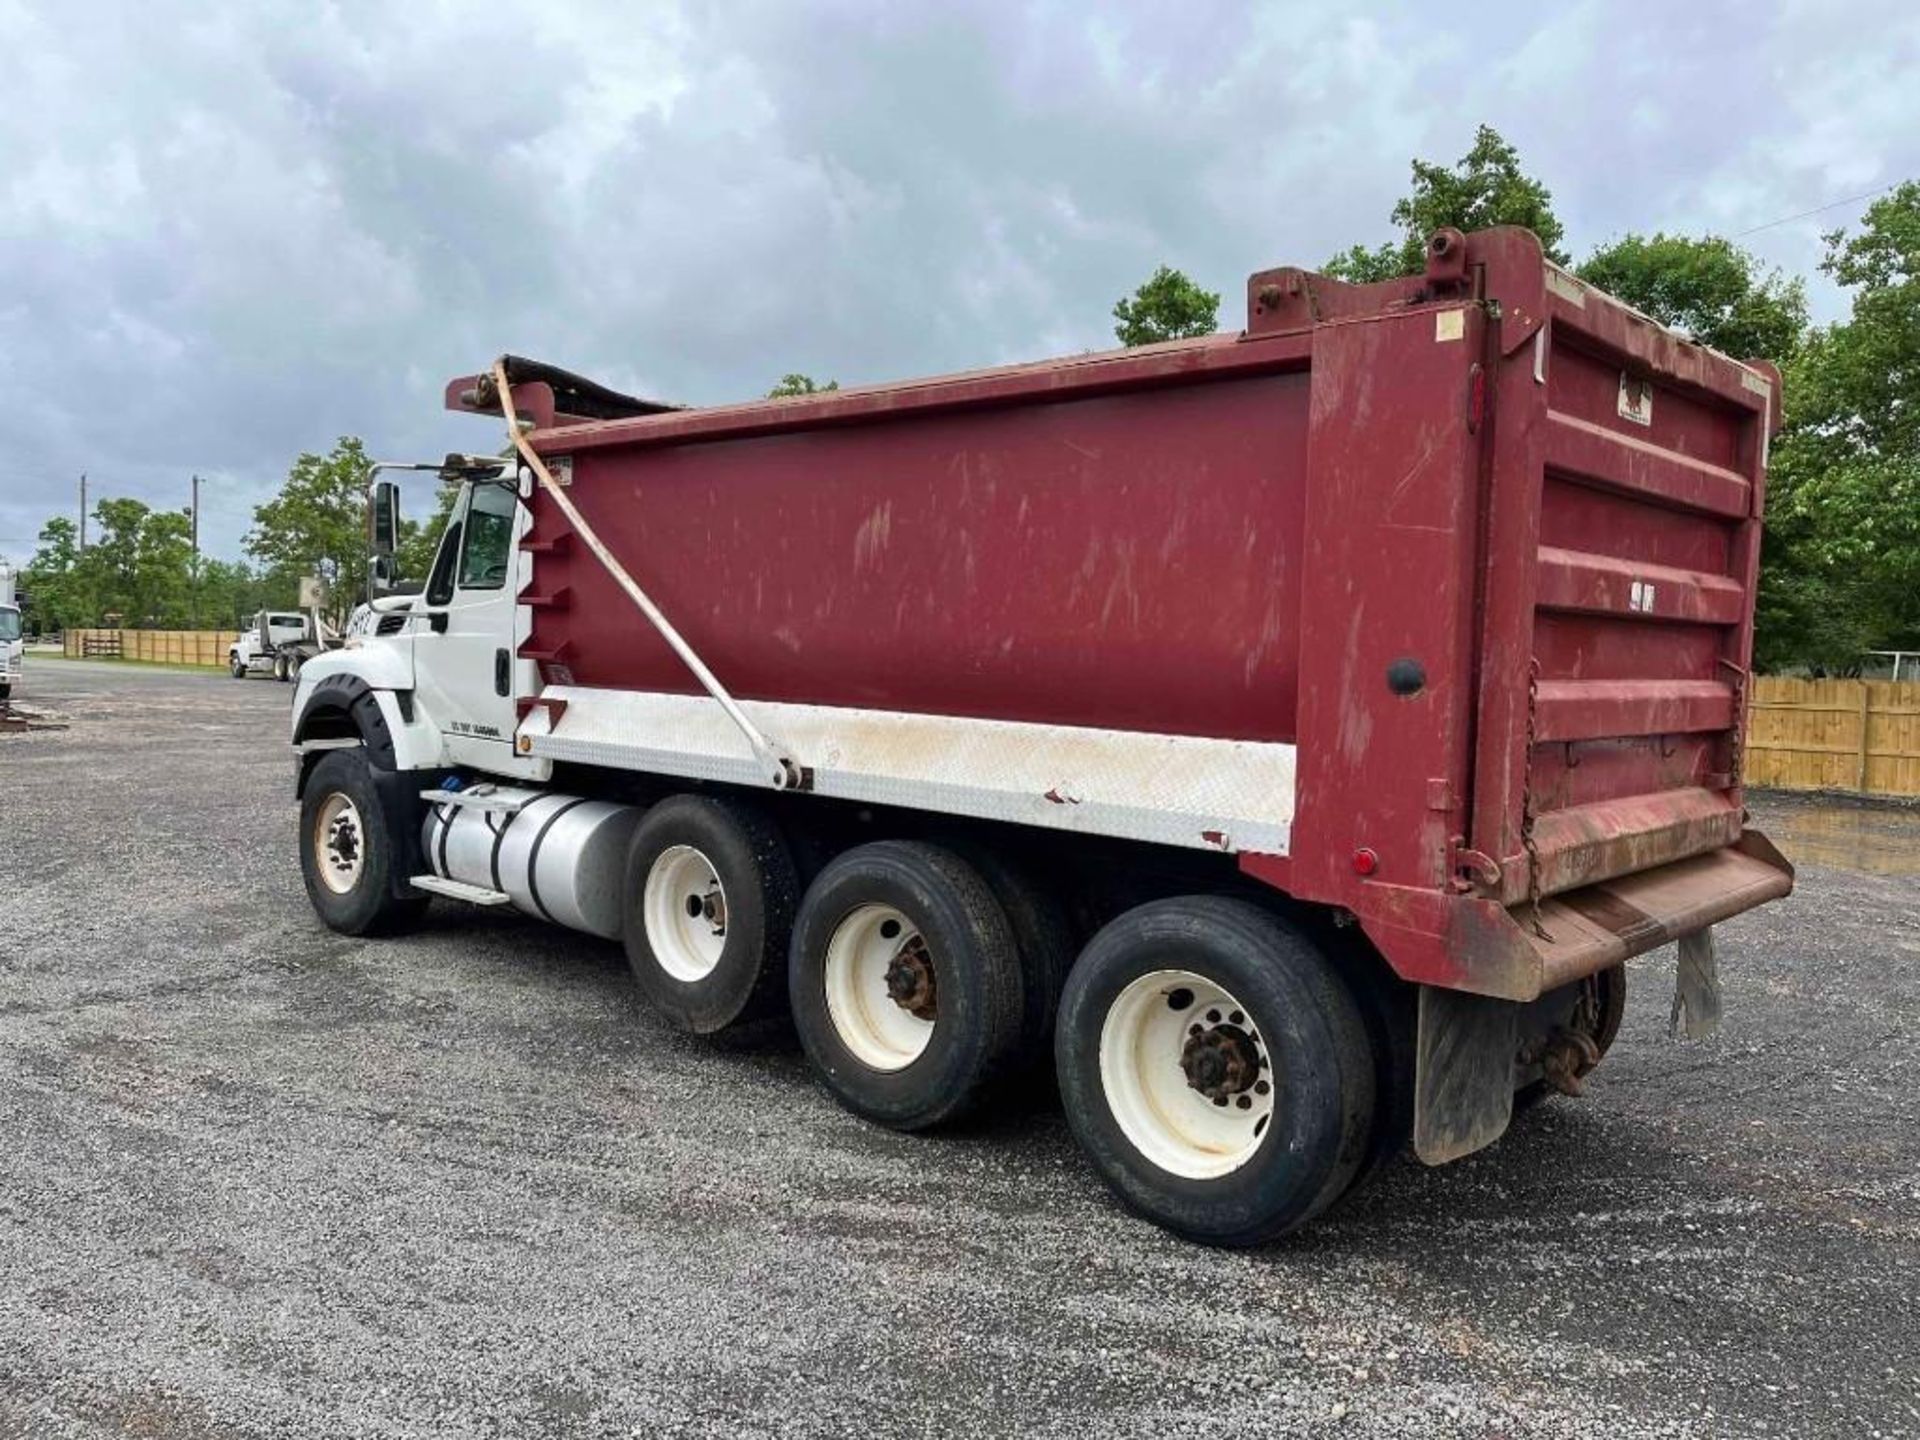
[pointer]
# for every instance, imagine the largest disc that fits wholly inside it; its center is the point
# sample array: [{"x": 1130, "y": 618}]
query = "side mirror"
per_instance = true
[
  {"x": 386, "y": 574},
  {"x": 386, "y": 518}
]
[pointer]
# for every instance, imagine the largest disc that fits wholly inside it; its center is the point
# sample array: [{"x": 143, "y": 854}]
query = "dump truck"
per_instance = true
[{"x": 1284, "y": 737}]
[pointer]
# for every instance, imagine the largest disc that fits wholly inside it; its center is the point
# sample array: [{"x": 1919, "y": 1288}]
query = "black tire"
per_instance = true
[
  {"x": 369, "y": 905},
  {"x": 759, "y": 887},
  {"x": 237, "y": 665},
  {"x": 1390, "y": 1007},
  {"x": 1316, "y": 1048},
  {"x": 1044, "y": 938},
  {"x": 978, "y": 988}
]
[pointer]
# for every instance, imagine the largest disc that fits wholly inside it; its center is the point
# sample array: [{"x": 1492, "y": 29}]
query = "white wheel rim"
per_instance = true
[
  {"x": 880, "y": 1031},
  {"x": 339, "y": 843},
  {"x": 1143, "y": 1042},
  {"x": 684, "y": 907}
]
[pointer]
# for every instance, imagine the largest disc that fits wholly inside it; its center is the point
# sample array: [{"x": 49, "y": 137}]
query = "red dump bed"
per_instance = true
[{"x": 1481, "y": 544}]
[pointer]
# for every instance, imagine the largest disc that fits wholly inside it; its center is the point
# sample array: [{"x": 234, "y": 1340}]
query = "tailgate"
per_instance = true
[{"x": 1631, "y": 473}]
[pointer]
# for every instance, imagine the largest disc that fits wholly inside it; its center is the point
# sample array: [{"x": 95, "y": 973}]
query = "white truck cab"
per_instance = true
[
  {"x": 449, "y": 649},
  {"x": 258, "y": 646},
  {"x": 12, "y": 645},
  {"x": 12, "y": 650}
]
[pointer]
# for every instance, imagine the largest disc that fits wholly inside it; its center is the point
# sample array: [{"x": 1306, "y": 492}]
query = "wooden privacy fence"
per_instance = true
[
  {"x": 1857, "y": 735},
  {"x": 157, "y": 647}
]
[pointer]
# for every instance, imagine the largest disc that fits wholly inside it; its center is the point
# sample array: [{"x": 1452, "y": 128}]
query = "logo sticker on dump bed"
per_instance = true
[
  {"x": 1636, "y": 399},
  {"x": 1449, "y": 325}
]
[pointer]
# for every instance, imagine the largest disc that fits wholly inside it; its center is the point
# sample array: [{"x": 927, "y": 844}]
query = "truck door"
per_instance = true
[{"x": 463, "y": 632}]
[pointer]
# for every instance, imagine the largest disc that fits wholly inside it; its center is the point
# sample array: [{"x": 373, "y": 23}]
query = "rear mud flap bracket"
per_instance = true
[
  {"x": 1696, "y": 989},
  {"x": 1463, "y": 1073}
]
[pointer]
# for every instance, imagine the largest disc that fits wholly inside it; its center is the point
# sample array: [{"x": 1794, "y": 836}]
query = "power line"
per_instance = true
[{"x": 1819, "y": 210}]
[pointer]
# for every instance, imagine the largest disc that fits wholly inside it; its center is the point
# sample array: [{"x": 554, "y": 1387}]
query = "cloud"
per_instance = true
[{"x": 227, "y": 236}]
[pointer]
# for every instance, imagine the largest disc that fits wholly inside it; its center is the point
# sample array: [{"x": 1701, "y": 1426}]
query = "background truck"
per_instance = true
[
  {"x": 279, "y": 642},
  {"x": 13, "y": 644},
  {"x": 1286, "y": 736}
]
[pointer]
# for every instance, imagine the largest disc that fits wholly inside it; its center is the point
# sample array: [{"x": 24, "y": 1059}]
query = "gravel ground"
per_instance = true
[{"x": 261, "y": 1179}]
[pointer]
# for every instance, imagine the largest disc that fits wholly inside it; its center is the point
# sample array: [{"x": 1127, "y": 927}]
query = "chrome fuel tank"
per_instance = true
[{"x": 559, "y": 857}]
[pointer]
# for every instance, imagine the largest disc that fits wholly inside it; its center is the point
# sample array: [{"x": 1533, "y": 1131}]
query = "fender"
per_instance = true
[
  {"x": 343, "y": 706},
  {"x": 381, "y": 663}
]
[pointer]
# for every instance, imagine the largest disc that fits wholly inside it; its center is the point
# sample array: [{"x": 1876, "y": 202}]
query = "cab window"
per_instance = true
[{"x": 488, "y": 542}]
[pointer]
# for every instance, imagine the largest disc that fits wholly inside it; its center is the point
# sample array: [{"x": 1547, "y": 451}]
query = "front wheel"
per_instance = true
[
  {"x": 347, "y": 850},
  {"x": 237, "y": 666},
  {"x": 1215, "y": 1069}
]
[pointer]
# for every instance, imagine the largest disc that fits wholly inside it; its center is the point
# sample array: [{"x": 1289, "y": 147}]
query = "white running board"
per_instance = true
[
  {"x": 1192, "y": 791},
  {"x": 460, "y": 890}
]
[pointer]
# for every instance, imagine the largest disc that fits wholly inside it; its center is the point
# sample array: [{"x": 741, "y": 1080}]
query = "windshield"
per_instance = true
[{"x": 9, "y": 624}]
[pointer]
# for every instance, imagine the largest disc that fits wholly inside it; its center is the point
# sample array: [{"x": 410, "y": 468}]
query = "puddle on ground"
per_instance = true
[{"x": 1870, "y": 839}]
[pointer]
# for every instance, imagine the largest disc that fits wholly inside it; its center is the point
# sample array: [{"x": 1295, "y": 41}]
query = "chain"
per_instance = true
[
  {"x": 1526, "y": 800},
  {"x": 1737, "y": 760}
]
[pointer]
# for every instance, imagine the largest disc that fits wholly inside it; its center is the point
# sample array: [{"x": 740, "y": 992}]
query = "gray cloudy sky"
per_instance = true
[{"x": 234, "y": 232}]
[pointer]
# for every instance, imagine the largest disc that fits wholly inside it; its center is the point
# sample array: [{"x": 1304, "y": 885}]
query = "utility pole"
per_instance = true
[
  {"x": 83, "y": 512},
  {"x": 193, "y": 514}
]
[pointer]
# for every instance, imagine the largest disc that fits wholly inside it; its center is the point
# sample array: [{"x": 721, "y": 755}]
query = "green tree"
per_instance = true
[
  {"x": 419, "y": 539},
  {"x": 138, "y": 569},
  {"x": 163, "y": 570},
  {"x": 1709, "y": 288},
  {"x": 55, "y": 596},
  {"x": 230, "y": 593},
  {"x": 317, "y": 524},
  {"x": 112, "y": 562},
  {"x": 1842, "y": 565},
  {"x": 1167, "y": 306},
  {"x": 1485, "y": 187},
  {"x": 798, "y": 384}
]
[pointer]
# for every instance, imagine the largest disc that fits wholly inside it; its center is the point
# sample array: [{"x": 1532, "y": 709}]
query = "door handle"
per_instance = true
[
  {"x": 502, "y": 672},
  {"x": 437, "y": 621}
]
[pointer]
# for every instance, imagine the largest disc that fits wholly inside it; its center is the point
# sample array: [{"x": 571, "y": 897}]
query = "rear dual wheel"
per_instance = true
[
  {"x": 1216, "y": 1069},
  {"x": 711, "y": 890},
  {"x": 907, "y": 984}
]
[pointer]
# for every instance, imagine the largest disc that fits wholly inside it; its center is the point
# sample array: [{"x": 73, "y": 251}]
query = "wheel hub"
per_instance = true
[
  {"x": 910, "y": 983},
  {"x": 710, "y": 907},
  {"x": 338, "y": 843},
  {"x": 343, "y": 841},
  {"x": 683, "y": 907},
  {"x": 1568, "y": 1058},
  {"x": 1220, "y": 1062}
]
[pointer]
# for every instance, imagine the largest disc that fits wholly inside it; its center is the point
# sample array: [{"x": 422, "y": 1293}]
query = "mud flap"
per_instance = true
[
  {"x": 1463, "y": 1073},
  {"x": 1696, "y": 989}
]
